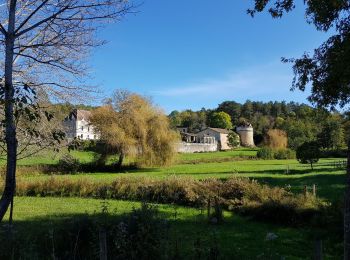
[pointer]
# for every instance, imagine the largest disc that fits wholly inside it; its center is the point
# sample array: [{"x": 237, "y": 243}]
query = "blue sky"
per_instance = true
[{"x": 198, "y": 53}]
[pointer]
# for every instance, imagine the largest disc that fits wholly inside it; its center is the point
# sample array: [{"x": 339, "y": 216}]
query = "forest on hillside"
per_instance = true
[{"x": 301, "y": 122}]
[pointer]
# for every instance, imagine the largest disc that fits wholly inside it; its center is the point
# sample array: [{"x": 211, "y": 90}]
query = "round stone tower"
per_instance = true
[{"x": 246, "y": 133}]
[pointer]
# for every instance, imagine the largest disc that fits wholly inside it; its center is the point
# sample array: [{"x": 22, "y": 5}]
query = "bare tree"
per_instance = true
[{"x": 44, "y": 45}]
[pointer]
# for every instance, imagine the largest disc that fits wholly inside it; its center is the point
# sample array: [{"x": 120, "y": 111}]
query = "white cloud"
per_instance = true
[
  {"x": 261, "y": 79},
  {"x": 264, "y": 82}
]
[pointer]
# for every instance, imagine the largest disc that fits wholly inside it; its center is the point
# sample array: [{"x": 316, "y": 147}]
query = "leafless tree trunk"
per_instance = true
[
  {"x": 43, "y": 48},
  {"x": 11, "y": 142}
]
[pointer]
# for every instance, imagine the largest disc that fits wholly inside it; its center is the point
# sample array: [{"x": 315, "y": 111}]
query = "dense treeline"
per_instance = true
[{"x": 301, "y": 122}]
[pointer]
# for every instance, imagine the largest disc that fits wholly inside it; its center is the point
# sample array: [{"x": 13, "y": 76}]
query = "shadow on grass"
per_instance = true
[
  {"x": 184, "y": 236},
  {"x": 293, "y": 171},
  {"x": 236, "y": 172},
  {"x": 49, "y": 169}
]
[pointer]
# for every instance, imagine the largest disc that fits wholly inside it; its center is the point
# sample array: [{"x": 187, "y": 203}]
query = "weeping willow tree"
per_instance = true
[{"x": 130, "y": 125}]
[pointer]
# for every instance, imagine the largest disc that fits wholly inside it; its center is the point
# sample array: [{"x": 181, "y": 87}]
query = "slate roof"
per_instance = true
[
  {"x": 80, "y": 114},
  {"x": 219, "y": 130}
]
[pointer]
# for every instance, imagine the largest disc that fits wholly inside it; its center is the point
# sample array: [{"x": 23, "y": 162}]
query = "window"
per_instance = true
[
  {"x": 82, "y": 128},
  {"x": 81, "y": 136}
]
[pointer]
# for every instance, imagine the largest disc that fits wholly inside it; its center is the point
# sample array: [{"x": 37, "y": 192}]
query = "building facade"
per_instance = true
[
  {"x": 77, "y": 125},
  {"x": 220, "y": 136}
]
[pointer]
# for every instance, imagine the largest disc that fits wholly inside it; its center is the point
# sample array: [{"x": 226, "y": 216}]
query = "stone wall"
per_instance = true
[{"x": 195, "y": 147}]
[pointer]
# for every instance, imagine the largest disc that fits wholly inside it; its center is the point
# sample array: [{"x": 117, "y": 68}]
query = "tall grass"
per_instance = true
[{"x": 242, "y": 195}]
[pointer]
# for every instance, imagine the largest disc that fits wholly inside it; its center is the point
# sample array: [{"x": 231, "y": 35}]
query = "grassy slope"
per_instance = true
[
  {"x": 235, "y": 236},
  {"x": 330, "y": 180}
]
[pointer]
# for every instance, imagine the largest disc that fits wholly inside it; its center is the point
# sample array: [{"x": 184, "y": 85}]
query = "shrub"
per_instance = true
[
  {"x": 88, "y": 145},
  {"x": 282, "y": 154},
  {"x": 239, "y": 194},
  {"x": 137, "y": 235},
  {"x": 233, "y": 139},
  {"x": 68, "y": 164},
  {"x": 265, "y": 153},
  {"x": 341, "y": 153},
  {"x": 140, "y": 235}
]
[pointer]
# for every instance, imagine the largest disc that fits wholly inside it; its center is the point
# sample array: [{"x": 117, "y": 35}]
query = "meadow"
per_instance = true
[
  {"x": 238, "y": 237},
  {"x": 327, "y": 176}
]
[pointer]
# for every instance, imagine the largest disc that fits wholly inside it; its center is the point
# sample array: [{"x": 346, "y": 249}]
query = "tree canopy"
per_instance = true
[
  {"x": 130, "y": 125},
  {"x": 328, "y": 68},
  {"x": 301, "y": 122},
  {"x": 308, "y": 153},
  {"x": 220, "y": 120}
]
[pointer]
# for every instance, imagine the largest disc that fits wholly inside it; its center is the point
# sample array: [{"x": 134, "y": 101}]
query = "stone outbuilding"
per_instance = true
[
  {"x": 246, "y": 134},
  {"x": 220, "y": 135}
]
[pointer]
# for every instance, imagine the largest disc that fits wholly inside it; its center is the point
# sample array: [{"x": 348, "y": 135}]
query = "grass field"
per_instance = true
[
  {"x": 238, "y": 238},
  {"x": 328, "y": 178},
  {"x": 49, "y": 157}
]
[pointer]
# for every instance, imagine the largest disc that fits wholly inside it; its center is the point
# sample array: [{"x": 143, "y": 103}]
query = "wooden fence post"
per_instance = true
[
  {"x": 287, "y": 171},
  {"x": 318, "y": 250},
  {"x": 305, "y": 190},
  {"x": 314, "y": 189},
  {"x": 209, "y": 208},
  {"x": 103, "y": 243}
]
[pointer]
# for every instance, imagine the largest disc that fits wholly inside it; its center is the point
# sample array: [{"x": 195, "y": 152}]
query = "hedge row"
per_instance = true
[{"x": 241, "y": 195}]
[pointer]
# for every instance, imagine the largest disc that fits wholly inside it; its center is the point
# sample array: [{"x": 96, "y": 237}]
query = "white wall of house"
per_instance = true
[
  {"x": 81, "y": 129},
  {"x": 221, "y": 138},
  {"x": 85, "y": 131}
]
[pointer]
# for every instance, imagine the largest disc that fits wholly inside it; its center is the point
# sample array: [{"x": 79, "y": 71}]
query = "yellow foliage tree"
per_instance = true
[
  {"x": 130, "y": 125},
  {"x": 276, "y": 139}
]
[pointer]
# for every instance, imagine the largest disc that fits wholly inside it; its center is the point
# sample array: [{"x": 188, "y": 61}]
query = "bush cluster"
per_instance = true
[
  {"x": 237, "y": 194},
  {"x": 267, "y": 153},
  {"x": 68, "y": 164},
  {"x": 137, "y": 235},
  {"x": 341, "y": 153}
]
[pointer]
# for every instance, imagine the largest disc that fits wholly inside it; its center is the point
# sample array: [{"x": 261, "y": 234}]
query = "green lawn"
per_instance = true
[
  {"x": 238, "y": 238},
  {"x": 50, "y": 157},
  {"x": 330, "y": 180}
]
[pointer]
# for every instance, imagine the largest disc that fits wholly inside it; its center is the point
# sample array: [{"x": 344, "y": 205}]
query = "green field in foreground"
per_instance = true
[{"x": 236, "y": 237}]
